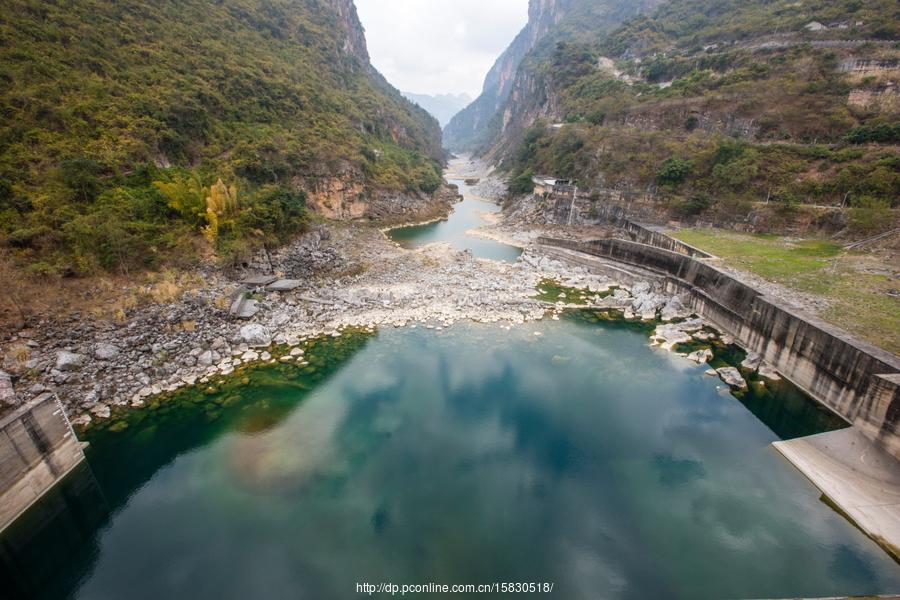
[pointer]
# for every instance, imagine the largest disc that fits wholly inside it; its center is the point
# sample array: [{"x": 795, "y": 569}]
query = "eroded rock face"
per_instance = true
[
  {"x": 69, "y": 361},
  {"x": 338, "y": 198},
  {"x": 255, "y": 335}
]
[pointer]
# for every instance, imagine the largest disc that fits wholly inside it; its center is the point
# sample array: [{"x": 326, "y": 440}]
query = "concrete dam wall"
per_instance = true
[
  {"x": 855, "y": 379},
  {"x": 37, "y": 449}
]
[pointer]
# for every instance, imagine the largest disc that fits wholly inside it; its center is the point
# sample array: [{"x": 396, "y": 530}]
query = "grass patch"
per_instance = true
[
  {"x": 855, "y": 284},
  {"x": 550, "y": 290}
]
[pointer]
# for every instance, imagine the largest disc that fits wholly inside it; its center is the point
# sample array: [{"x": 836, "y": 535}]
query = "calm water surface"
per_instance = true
[
  {"x": 581, "y": 457},
  {"x": 466, "y": 215}
]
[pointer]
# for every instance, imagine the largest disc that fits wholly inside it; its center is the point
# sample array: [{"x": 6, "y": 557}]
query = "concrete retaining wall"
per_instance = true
[
  {"x": 855, "y": 379},
  {"x": 588, "y": 210},
  {"x": 37, "y": 448},
  {"x": 644, "y": 235}
]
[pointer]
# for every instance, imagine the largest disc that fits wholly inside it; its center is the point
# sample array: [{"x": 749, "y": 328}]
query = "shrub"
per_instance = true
[
  {"x": 883, "y": 133},
  {"x": 82, "y": 178},
  {"x": 695, "y": 205},
  {"x": 522, "y": 184},
  {"x": 674, "y": 171}
]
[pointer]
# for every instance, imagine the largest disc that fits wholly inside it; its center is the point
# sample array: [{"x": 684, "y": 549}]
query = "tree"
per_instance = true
[
  {"x": 221, "y": 205},
  {"x": 187, "y": 196},
  {"x": 522, "y": 184}
]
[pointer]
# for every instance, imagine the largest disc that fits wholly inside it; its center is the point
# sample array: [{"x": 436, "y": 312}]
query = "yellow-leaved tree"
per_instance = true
[
  {"x": 186, "y": 195},
  {"x": 221, "y": 205}
]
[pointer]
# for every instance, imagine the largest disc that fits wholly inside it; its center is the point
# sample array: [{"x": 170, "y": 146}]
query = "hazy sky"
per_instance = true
[{"x": 439, "y": 46}]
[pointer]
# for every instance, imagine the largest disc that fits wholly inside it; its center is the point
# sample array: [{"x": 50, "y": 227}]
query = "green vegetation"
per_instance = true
[
  {"x": 122, "y": 119},
  {"x": 697, "y": 104},
  {"x": 858, "y": 286}
]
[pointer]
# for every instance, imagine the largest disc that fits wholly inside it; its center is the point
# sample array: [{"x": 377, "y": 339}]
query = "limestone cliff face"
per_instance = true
[
  {"x": 341, "y": 192},
  {"x": 468, "y": 128},
  {"x": 354, "y": 37}
]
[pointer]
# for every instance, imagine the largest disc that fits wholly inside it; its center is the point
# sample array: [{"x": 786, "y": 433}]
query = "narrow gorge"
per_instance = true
[{"x": 270, "y": 334}]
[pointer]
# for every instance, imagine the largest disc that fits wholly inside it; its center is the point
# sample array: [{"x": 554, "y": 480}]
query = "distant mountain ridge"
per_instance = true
[{"x": 441, "y": 106}]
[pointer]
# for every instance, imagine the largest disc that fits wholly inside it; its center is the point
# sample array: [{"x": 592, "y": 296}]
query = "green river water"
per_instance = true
[{"x": 580, "y": 457}]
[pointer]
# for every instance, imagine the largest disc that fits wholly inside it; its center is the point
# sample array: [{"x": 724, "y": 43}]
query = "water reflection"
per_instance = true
[
  {"x": 37, "y": 546},
  {"x": 582, "y": 457}
]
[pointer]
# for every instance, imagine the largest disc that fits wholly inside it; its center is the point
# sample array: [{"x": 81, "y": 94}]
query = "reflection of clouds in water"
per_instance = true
[
  {"x": 474, "y": 454},
  {"x": 590, "y": 575},
  {"x": 283, "y": 457}
]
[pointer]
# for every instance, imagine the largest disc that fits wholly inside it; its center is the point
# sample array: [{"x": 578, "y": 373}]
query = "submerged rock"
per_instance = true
[{"x": 732, "y": 377}]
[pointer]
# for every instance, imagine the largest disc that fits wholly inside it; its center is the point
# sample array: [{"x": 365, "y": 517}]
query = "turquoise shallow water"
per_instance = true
[
  {"x": 466, "y": 215},
  {"x": 581, "y": 457}
]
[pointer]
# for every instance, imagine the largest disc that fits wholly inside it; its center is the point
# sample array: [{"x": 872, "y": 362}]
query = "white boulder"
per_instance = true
[
  {"x": 104, "y": 351},
  {"x": 255, "y": 335},
  {"x": 69, "y": 361},
  {"x": 732, "y": 377}
]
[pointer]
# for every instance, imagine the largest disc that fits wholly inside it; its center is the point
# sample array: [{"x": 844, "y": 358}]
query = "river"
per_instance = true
[{"x": 467, "y": 215}]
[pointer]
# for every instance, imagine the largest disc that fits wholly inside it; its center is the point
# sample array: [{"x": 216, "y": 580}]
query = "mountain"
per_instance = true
[
  {"x": 441, "y": 106},
  {"x": 714, "y": 104},
  {"x": 131, "y": 127},
  {"x": 478, "y": 122}
]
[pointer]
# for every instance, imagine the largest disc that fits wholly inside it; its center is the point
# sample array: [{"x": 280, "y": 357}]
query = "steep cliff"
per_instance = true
[
  {"x": 119, "y": 118},
  {"x": 513, "y": 77},
  {"x": 467, "y": 129}
]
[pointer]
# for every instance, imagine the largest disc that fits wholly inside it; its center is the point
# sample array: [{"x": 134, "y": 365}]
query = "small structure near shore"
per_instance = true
[
  {"x": 546, "y": 186},
  {"x": 244, "y": 306},
  {"x": 37, "y": 449}
]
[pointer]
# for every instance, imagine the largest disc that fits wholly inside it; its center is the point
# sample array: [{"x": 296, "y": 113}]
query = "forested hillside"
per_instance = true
[
  {"x": 130, "y": 128},
  {"x": 712, "y": 104}
]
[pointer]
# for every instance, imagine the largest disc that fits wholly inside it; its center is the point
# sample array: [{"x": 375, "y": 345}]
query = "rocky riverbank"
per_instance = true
[{"x": 352, "y": 276}]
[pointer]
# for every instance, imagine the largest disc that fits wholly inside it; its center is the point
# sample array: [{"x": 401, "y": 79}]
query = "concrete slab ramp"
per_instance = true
[{"x": 859, "y": 477}]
